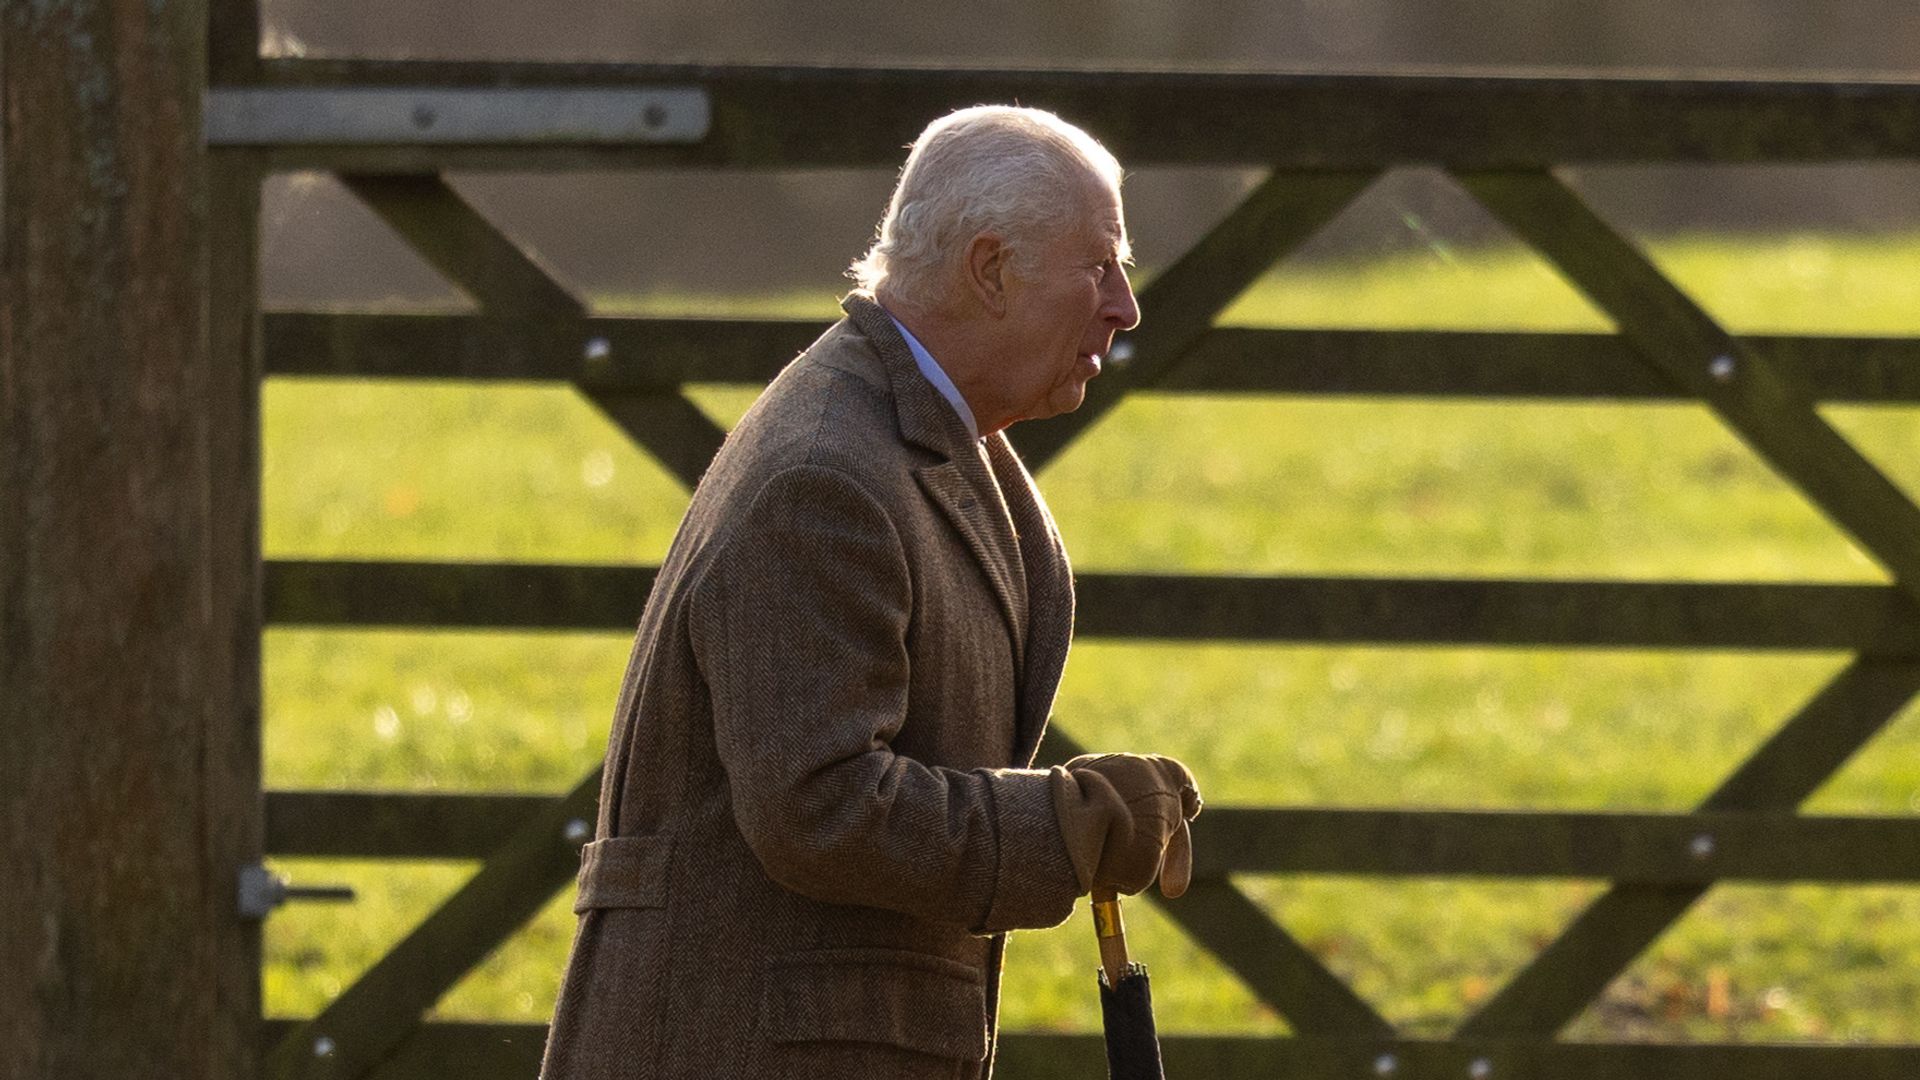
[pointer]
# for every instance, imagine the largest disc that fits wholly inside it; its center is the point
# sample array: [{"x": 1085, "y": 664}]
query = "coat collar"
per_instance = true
[
  {"x": 959, "y": 482},
  {"x": 926, "y": 419}
]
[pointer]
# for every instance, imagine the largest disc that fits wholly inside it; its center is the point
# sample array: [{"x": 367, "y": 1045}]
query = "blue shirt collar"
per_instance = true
[{"x": 930, "y": 368}]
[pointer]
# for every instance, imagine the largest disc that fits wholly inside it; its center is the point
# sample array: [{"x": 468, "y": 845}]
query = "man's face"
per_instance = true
[{"x": 1065, "y": 307}]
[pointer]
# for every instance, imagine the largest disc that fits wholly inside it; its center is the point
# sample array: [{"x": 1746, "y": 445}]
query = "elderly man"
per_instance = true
[{"x": 817, "y": 821}]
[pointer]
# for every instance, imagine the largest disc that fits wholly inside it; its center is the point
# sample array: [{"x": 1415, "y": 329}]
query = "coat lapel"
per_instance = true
[
  {"x": 1049, "y": 581},
  {"x": 959, "y": 484},
  {"x": 972, "y": 516}
]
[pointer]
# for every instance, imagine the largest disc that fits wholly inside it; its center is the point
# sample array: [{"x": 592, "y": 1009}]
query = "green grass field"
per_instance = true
[{"x": 1340, "y": 486}]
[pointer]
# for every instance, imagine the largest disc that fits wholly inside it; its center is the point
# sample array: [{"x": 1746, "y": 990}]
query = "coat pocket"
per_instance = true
[{"x": 891, "y": 997}]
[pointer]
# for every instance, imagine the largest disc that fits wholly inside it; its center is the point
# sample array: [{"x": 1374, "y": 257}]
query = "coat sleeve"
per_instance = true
[{"x": 799, "y": 626}]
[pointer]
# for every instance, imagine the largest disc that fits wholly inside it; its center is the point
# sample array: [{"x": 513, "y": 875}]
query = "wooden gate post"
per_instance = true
[{"x": 128, "y": 631}]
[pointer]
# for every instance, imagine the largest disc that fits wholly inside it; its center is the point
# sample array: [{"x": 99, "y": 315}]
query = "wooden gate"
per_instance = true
[{"x": 388, "y": 130}]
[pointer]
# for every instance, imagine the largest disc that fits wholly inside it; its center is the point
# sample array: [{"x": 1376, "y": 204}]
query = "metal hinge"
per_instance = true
[{"x": 262, "y": 890}]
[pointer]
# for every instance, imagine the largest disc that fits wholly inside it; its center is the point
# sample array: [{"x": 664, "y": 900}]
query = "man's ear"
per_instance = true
[{"x": 987, "y": 272}]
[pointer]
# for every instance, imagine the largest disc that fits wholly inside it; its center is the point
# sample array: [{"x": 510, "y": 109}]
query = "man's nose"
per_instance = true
[{"x": 1119, "y": 306}]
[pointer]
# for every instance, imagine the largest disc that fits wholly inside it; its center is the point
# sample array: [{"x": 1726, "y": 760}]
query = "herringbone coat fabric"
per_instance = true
[{"x": 816, "y": 822}]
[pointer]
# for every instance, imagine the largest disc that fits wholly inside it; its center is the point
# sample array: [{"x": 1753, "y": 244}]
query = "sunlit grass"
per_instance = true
[{"x": 1795, "y": 284}]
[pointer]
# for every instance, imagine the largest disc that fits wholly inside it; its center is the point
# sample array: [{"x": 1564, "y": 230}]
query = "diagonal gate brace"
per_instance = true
[{"x": 463, "y": 245}]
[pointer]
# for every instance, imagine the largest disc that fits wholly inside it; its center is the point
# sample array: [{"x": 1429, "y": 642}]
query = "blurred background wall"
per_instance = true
[{"x": 626, "y": 234}]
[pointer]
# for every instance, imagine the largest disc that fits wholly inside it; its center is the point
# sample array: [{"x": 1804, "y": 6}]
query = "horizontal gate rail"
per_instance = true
[
  {"x": 600, "y": 351},
  {"x": 1439, "y": 363},
  {"x": 393, "y": 824},
  {"x": 1035, "y": 1055},
  {"x": 627, "y": 353},
  {"x": 1431, "y": 611},
  {"x": 1460, "y": 364},
  {"x": 443, "y": 1049},
  {"x": 773, "y": 117},
  {"x": 1649, "y": 848},
  {"x": 1641, "y": 847},
  {"x": 1435, "y": 611}
]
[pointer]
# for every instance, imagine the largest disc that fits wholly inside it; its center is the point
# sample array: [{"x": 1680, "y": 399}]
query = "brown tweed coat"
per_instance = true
[{"x": 816, "y": 823}]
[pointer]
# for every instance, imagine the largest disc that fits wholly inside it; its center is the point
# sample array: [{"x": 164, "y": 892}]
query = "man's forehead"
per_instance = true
[
  {"x": 1113, "y": 234},
  {"x": 1109, "y": 223}
]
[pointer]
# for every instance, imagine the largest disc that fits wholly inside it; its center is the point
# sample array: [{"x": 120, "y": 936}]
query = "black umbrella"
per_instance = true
[{"x": 1126, "y": 999}]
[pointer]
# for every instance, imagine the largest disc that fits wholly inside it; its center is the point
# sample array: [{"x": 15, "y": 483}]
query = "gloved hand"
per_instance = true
[{"x": 1124, "y": 818}]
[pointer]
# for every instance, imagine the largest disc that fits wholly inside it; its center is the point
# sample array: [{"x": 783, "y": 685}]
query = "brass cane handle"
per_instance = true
[{"x": 1111, "y": 931}]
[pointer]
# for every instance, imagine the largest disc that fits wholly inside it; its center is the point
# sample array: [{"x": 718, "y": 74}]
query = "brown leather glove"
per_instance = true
[{"x": 1124, "y": 818}]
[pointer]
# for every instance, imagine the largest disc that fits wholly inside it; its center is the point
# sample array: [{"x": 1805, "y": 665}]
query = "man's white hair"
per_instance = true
[{"x": 1015, "y": 171}]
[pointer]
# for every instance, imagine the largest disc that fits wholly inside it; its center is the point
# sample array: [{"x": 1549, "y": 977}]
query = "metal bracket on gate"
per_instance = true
[
  {"x": 457, "y": 116},
  {"x": 262, "y": 890}
]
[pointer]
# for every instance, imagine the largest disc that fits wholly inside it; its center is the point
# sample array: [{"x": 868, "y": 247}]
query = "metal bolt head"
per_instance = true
[
  {"x": 1701, "y": 846},
  {"x": 1120, "y": 352},
  {"x": 578, "y": 831},
  {"x": 1480, "y": 1069},
  {"x": 323, "y": 1046},
  {"x": 654, "y": 116},
  {"x": 1385, "y": 1065},
  {"x": 1721, "y": 368},
  {"x": 424, "y": 117},
  {"x": 598, "y": 348}
]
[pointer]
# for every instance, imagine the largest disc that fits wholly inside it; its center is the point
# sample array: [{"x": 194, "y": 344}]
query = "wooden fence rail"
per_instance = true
[
  {"x": 439, "y": 1050},
  {"x": 1179, "y": 607},
  {"x": 796, "y": 117},
  {"x": 623, "y": 353},
  {"x": 1660, "y": 849}
]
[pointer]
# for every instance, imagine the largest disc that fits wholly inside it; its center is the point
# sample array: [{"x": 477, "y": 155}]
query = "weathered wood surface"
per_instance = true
[
  {"x": 1641, "y": 847},
  {"x": 233, "y": 42},
  {"x": 232, "y": 762},
  {"x": 1879, "y": 619},
  {"x": 628, "y": 353},
  {"x": 441, "y": 1050},
  {"x": 124, "y": 638}
]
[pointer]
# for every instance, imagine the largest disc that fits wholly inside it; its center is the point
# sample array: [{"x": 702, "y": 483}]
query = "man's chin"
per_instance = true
[{"x": 1068, "y": 398}]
